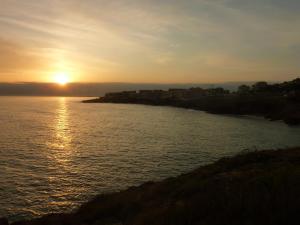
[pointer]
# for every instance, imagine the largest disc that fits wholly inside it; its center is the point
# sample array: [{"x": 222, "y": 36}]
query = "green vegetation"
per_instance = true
[
  {"x": 259, "y": 188},
  {"x": 273, "y": 101}
]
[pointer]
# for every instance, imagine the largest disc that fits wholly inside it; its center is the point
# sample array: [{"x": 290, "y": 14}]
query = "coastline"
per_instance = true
[
  {"x": 271, "y": 108},
  {"x": 254, "y": 188},
  {"x": 272, "y": 101}
]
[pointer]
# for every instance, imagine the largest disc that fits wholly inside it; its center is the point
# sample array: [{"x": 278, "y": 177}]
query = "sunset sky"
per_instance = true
[{"x": 158, "y": 41}]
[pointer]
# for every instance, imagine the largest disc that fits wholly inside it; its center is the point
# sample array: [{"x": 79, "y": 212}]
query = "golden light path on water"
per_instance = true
[
  {"x": 63, "y": 136},
  {"x": 61, "y": 158}
]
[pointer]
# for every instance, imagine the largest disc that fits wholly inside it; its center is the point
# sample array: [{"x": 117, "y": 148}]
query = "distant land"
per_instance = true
[
  {"x": 97, "y": 89},
  {"x": 280, "y": 101}
]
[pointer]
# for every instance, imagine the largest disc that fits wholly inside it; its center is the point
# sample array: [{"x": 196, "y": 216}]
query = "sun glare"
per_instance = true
[{"x": 62, "y": 78}]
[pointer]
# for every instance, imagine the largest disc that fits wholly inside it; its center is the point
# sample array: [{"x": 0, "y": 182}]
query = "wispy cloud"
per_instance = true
[{"x": 130, "y": 40}]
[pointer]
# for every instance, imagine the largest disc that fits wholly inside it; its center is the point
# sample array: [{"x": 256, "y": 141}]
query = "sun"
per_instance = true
[{"x": 62, "y": 78}]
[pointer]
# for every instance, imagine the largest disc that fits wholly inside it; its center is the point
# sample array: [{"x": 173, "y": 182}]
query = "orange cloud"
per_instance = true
[{"x": 17, "y": 60}]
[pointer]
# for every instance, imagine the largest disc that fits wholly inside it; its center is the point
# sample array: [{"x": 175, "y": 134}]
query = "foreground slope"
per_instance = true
[{"x": 254, "y": 188}]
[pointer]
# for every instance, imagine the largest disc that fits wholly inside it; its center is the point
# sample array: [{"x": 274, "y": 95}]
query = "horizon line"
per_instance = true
[{"x": 147, "y": 83}]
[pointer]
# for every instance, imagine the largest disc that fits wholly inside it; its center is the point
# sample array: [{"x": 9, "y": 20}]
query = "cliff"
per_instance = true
[{"x": 254, "y": 188}]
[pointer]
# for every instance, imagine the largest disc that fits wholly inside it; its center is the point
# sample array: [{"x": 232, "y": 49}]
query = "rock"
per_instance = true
[{"x": 3, "y": 221}]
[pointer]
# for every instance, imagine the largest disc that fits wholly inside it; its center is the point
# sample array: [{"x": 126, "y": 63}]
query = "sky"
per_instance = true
[{"x": 157, "y": 41}]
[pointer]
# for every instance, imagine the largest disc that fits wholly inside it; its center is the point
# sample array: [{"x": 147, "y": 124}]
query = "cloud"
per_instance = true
[
  {"x": 16, "y": 59},
  {"x": 123, "y": 39}
]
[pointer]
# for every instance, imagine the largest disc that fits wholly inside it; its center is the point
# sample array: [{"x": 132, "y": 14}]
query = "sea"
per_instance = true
[{"x": 57, "y": 153}]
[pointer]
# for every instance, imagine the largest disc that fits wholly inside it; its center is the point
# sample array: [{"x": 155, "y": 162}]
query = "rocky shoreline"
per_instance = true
[{"x": 255, "y": 188}]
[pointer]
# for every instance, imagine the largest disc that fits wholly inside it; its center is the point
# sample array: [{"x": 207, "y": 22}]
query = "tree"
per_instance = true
[
  {"x": 261, "y": 86},
  {"x": 244, "y": 90}
]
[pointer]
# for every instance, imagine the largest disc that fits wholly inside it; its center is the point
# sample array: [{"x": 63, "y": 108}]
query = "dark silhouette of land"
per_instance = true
[
  {"x": 260, "y": 188},
  {"x": 273, "y": 101},
  {"x": 92, "y": 89}
]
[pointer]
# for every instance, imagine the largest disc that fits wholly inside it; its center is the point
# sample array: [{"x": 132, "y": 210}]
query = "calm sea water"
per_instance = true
[{"x": 56, "y": 153}]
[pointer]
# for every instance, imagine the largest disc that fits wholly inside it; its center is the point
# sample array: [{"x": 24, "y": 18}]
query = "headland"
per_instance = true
[{"x": 272, "y": 101}]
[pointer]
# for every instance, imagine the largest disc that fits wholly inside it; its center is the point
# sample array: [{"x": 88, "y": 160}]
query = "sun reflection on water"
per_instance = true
[
  {"x": 62, "y": 138},
  {"x": 62, "y": 129},
  {"x": 63, "y": 172}
]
